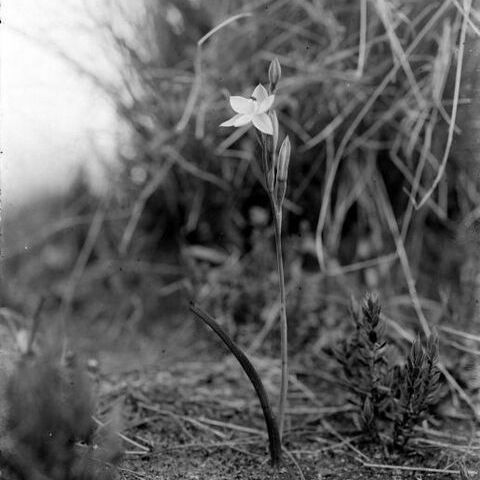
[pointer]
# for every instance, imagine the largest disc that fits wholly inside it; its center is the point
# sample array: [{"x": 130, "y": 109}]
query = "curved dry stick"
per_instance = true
[{"x": 275, "y": 446}]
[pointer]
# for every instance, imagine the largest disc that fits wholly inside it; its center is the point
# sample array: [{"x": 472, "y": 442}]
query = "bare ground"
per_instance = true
[{"x": 190, "y": 413}]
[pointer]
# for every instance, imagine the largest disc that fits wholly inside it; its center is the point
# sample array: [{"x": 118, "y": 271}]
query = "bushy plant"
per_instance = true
[
  {"x": 48, "y": 409},
  {"x": 419, "y": 389},
  {"x": 391, "y": 398}
]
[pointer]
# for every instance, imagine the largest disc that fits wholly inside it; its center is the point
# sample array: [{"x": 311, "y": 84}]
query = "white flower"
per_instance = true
[{"x": 252, "y": 110}]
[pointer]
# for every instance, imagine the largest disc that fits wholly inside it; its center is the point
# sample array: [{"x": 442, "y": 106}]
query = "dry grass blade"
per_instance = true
[
  {"x": 80, "y": 264},
  {"x": 381, "y": 466},
  {"x": 295, "y": 463},
  {"x": 182, "y": 162},
  {"x": 197, "y": 82},
  {"x": 385, "y": 205},
  {"x": 456, "y": 95},
  {"x": 139, "y": 205},
  {"x": 362, "y": 51},
  {"x": 141, "y": 447},
  {"x": 467, "y": 14},
  {"x": 458, "y": 333},
  {"x": 385, "y": 15},
  {"x": 345, "y": 441},
  {"x": 353, "y": 127}
]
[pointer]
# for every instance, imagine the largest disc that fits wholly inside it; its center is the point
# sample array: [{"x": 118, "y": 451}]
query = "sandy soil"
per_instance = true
[{"x": 190, "y": 413}]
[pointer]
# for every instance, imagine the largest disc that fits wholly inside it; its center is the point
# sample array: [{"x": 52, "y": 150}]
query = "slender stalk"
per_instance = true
[
  {"x": 283, "y": 321},
  {"x": 276, "y": 205}
]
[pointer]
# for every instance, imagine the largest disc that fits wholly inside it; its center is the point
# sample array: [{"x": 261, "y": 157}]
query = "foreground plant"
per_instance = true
[
  {"x": 391, "y": 399},
  {"x": 274, "y": 166},
  {"x": 257, "y": 111},
  {"x": 419, "y": 389},
  {"x": 365, "y": 365},
  {"x": 47, "y": 410}
]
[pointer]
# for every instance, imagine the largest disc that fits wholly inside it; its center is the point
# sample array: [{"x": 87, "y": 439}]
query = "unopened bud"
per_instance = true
[
  {"x": 274, "y": 74},
  {"x": 280, "y": 191},
  {"x": 283, "y": 160},
  {"x": 282, "y": 172}
]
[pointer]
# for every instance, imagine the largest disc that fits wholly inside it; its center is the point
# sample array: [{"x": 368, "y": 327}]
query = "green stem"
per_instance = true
[
  {"x": 277, "y": 214},
  {"x": 283, "y": 319}
]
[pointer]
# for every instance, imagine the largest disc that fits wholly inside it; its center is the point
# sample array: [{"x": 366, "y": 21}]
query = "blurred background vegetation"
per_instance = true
[{"x": 370, "y": 94}]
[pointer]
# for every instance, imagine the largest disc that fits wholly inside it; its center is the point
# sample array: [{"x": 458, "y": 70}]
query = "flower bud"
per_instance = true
[
  {"x": 282, "y": 172},
  {"x": 274, "y": 74},
  {"x": 283, "y": 160},
  {"x": 279, "y": 194}
]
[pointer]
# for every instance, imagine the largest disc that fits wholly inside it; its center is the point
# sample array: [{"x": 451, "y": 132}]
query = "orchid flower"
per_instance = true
[{"x": 252, "y": 110}]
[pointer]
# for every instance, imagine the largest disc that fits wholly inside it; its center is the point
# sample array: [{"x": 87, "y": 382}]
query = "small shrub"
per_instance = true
[
  {"x": 391, "y": 399},
  {"x": 419, "y": 388},
  {"x": 49, "y": 409}
]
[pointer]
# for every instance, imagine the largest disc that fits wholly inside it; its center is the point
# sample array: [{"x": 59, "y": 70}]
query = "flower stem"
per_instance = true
[
  {"x": 283, "y": 320},
  {"x": 277, "y": 222}
]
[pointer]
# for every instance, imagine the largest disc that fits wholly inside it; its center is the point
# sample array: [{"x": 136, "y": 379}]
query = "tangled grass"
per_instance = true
[{"x": 371, "y": 97}]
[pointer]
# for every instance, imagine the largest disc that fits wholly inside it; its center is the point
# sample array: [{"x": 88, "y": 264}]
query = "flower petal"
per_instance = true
[
  {"x": 263, "y": 123},
  {"x": 231, "y": 122},
  {"x": 241, "y": 120},
  {"x": 266, "y": 104},
  {"x": 260, "y": 93},
  {"x": 242, "y": 105}
]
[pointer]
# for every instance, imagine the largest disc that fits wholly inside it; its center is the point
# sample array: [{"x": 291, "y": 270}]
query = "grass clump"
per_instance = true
[
  {"x": 391, "y": 398},
  {"x": 48, "y": 411}
]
